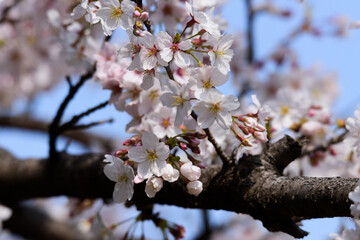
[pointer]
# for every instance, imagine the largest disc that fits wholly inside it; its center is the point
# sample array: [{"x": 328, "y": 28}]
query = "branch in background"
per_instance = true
[
  {"x": 254, "y": 187},
  {"x": 54, "y": 126},
  {"x": 87, "y": 139},
  {"x": 3, "y": 16},
  {"x": 207, "y": 231},
  {"x": 250, "y": 32},
  {"x": 32, "y": 223},
  {"x": 250, "y": 44},
  {"x": 89, "y": 125},
  {"x": 70, "y": 125}
]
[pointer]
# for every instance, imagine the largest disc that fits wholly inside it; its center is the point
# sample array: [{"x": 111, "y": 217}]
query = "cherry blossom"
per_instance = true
[
  {"x": 176, "y": 51},
  {"x": 123, "y": 175},
  {"x": 162, "y": 122},
  {"x": 114, "y": 13},
  {"x": 216, "y": 107},
  {"x": 179, "y": 98},
  {"x": 153, "y": 185},
  {"x": 206, "y": 78},
  {"x": 151, "y": 155},
  {"x": 221, "y": 54},
  {"x": 132, "y": 49},
  {"x": 150, "y": 51}
]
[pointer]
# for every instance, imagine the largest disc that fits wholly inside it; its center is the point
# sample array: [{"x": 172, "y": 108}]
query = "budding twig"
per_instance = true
[{"x": 225, "y": 159}]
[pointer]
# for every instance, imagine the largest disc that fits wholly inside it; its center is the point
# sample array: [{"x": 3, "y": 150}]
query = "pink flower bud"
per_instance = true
[
  {"x": 194, "y": 142},
  {"x": 144, "y": 16},
  {"x": 195, "y": 149},
  {"x": 332, "y": 151},
  {"x": 138, "y": 33},
  {"x": 262, "y": 136},
  {"x": 190, "y": 171},
  {"x": 137, "y": 13},
  {"x": 183, "y": 146},
  {"x": 311, "y": 112},
  {"x": 195, "y": 187},
  {"x": 169, "y": 174},
  {"x": 121, "y": 153},
  {"x": 177, "y": 231},
  {"x": 247, "y": 143}
]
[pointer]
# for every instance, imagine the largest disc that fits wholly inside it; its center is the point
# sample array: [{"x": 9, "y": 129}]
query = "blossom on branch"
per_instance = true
[
  {"x": 151, "y": 156},
  {"x": 115, "y": 13},
  {"x": 221, "y": 54},
  {"x": 123, "y": 175},
  {"x": 216, "y": 107}
]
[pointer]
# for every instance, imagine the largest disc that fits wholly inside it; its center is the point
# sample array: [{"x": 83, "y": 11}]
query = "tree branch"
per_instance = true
[
  {"x": 33, "y": 223},
  {"x": 87, "y": 139},
  {"x": 75, "y": 119},
  {"x": 54, "y": 126},
  {"x": 254, "y": 187},
  {"x": 250, "y": 31},
  {"x": 224, "y": 158}
]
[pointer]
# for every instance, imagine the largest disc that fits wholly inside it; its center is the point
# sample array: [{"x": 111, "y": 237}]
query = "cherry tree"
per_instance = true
[{"x": 274, "y": 152}]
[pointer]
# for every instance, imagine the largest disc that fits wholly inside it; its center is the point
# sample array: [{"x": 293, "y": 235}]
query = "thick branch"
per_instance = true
[{"x": 254, "y": 186}]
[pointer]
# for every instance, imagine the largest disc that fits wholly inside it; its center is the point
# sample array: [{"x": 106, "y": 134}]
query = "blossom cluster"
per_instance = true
[
  {"x": 153, "y": 163},
  {"x": 168, "y": 82}
]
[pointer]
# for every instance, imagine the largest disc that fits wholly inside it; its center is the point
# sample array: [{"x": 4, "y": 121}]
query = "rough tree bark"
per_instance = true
[{"x": 254, "y": 186}]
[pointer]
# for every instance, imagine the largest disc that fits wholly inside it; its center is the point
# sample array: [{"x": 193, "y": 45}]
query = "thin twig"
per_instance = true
[
  {"x": 68, "y": 80},
  {"x": 76, "y": 118},
  {"x": 225, "y": 159},
  {"x": 169, "y": 72},
  {"x": 54, "y": 126},
  {"x": 85, "y": 126}
]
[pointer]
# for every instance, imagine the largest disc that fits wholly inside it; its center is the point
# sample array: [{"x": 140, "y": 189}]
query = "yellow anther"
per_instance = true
[
  {"x": 215, "y": 108},
  {"x": 177, "y": 100},
  {"x": 115, "y": 13},
  {"x": 151, "y": 156}
]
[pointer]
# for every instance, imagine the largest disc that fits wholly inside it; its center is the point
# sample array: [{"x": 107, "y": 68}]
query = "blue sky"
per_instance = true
[{"x": 339, "y": 55}]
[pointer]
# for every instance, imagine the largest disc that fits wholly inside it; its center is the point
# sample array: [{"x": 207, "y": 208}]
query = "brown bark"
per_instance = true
[{"x": 255, "y": 186}]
